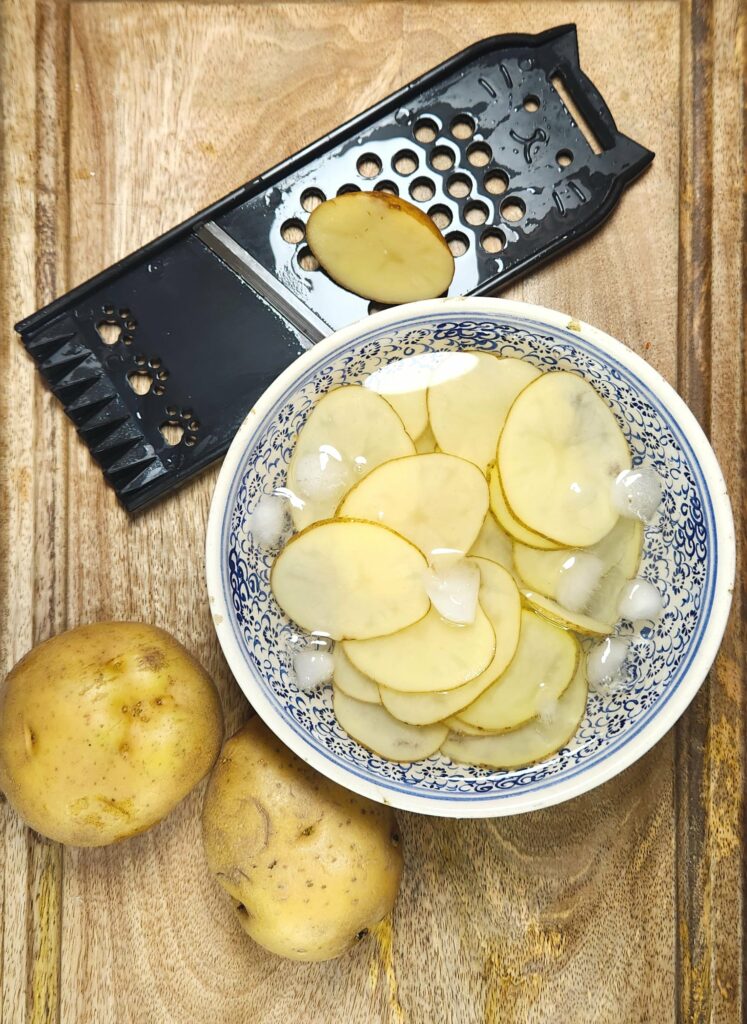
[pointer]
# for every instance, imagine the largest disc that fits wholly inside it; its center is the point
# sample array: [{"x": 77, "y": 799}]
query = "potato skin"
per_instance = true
[
  {"x": 310, "y": 866},
  {"x": 103, "y": 730}
]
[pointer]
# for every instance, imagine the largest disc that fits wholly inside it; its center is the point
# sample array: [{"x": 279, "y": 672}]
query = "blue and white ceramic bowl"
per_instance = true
[{"x": 688, "y": 553}]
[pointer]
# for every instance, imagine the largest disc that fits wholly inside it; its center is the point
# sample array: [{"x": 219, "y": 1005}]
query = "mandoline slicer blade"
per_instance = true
[{"x": 207, "y": 315}]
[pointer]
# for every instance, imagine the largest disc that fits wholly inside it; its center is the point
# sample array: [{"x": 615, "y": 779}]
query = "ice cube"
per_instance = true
[
  {"x": 640, "y": 600},
  {"x": 579, "y": 578},
  {"x": 313, "y": 667},
  {"x": 604, "y": 663},
  {"x": 269, "y": 521},
  {"x": 636, "y": 493},
  {"x": 452, "y": 587}
]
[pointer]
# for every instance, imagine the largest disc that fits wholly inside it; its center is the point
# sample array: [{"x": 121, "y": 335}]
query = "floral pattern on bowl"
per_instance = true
[{"x": 688, "y": 555}]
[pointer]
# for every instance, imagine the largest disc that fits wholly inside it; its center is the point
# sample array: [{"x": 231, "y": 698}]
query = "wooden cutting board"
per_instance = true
[{"x": 621, "y": 907}]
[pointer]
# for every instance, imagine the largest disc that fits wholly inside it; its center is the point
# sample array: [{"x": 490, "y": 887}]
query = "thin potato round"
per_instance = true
[
  {"x": 530, "y": 743},
  {"x": 507, "y": 521},
  {"x": 433, "y": 654},
  {"x": 426, "y": 443},
  {"x": 559, "y": 454},
  {"x": 565, "y": 618},
  {"x": 438, "y": 502},
  {"x": 499, "y": 599},
  {"x": 467, "y": 412},
  {"x": 347, "y": 678},
  {"x": 542, "y": 668},
  {"x": 493, "y": 543},
  {"x": 404, "y": 384},
  {"x": 380, "y": 247},
  {"x": 374, "y": 728},
  {"x": 350, "y": 580},
  {"x": 620, "y": 548},
  {"x": 348, "y": 433},
  {"x": 456, "y": 725}
]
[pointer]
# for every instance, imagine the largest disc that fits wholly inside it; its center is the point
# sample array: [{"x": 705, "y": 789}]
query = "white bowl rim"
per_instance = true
[{"x": 595, "y": 774}]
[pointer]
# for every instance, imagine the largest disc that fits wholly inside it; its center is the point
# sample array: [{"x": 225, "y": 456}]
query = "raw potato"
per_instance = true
[
  {"x": 456, "y": 725},
  {"x": 542, "y": 668},
  {"x": 374, "y": 728},
  {"x": 347, "y": 678},
  {"x": 350, "y": 431},
  {"x": 404, "y": 384},
  {"x": 507, "y": 521},
  {"x": 380, "y": 247},
  {"x": 103, "y": 730},
  {"x": 311, "y": 867},
  {"x": 493, "y": 543},
  {"x": 351, "y": 580},
  {"x": 426, "y": 443},
  {"x": 619, "y": 554},
  {"x": 559, "y": 454},
  {"x": 530, "y": 743},
  {"x": 467, "y": 412},
  {"x": 565, "y": 618},
  {"x": 620, "y": 549},
  {"x": 499, "y": 599},
  {"x": 438, "y": 502},
  {"x": 431, "y": 655}
]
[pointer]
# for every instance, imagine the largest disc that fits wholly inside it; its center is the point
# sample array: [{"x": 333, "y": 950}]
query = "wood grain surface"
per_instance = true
[{"x": 624, "y": 906}]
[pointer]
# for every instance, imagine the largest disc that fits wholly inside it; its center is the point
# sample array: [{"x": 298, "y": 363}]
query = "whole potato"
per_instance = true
[
  {"x": 310, "y": 866},
  {"x": 103, "y": 730}
]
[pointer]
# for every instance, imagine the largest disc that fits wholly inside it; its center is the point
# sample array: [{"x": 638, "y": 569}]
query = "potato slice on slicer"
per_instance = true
[
  {"x": 467, "y": 412},
  {"x": 530, "y": 743},
  {"x": 541, "y": 669},
  {"x": 347, "y": 678},
  {"x": 436, "y": 501},
  {"x": 499, "y": 599},
  {"x": 558, "y": 456},
  {"x": 374, "y": 728},
  {"x": 350, "y": 579},
  {"x": 381, "y": 247},
  {"x": 433, "y": 654}
]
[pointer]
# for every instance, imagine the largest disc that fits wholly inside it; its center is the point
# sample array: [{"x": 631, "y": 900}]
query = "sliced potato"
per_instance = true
[
  {"x": 507, "y": 521},
  {"x": 436, "y": 501},
  {"x": 499, "y": 599},
  {"x": 373, "y": 727},
  {"x": 380, "y": 247},
  {"x": 456, "y": 725},
  {"x": 426, "y": 443},
  {"x": 350, "y": 579},
  {"x": 619, "y": 553},
  {"x": 566, "y": 619},
  {"x": 493, "y": 543},
  {"x": 620, "y": 548},
  {"x": 467, "y": 412},
  {"x": 433, "y": 654},
  {"x": 348, "y": 433},
  {"x": 347, "y": 678},
  {"x": 404, "y": 384},
  {"x": 558, "y": 456},
  {"x": 535, "y": 741},
  {"x": 411, "y": 408},
  {"x": 540, "y": 671}
]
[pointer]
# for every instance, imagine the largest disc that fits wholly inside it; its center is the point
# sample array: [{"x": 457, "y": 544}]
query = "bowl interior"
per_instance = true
[{"x": 680, "y": 558}]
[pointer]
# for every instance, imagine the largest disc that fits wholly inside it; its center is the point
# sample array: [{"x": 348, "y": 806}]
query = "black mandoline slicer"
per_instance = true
[{"x": 203, "y": 318}]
